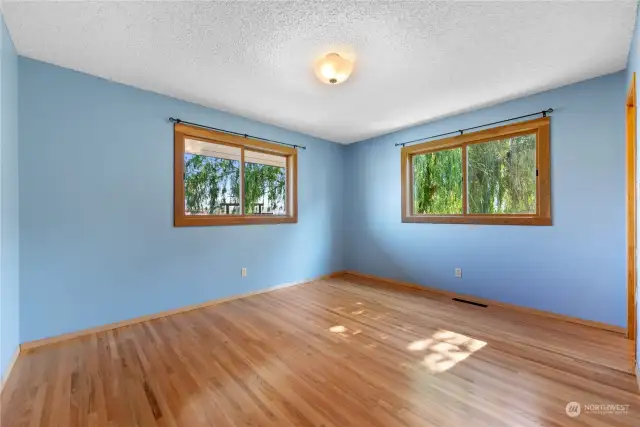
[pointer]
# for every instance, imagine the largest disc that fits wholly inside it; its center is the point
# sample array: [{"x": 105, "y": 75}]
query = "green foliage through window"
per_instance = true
[
  {"x": 437, "y": 181},
  {"x": 264, "y": 189},
  {"x": 502, "y": 176},
  {"x": 212, "y": 185}
]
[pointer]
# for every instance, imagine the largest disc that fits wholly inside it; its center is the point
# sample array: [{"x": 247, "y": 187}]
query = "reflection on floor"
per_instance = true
[{"x": 337, "y": 353}]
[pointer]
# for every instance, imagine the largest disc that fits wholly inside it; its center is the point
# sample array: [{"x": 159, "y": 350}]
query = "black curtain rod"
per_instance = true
[
  {"x": 173, "y": 120},
  {"x": 461, "y": 131}
]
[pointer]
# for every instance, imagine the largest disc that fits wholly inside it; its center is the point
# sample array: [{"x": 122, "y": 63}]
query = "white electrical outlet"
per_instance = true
[
  {"x": 458, "y": 272},
  {"x": 244, "y": 272}
]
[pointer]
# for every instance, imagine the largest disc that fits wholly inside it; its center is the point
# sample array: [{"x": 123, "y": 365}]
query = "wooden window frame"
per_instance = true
[
  {"x": 543, "y": 183},
  {"x": 181, "y": 219}
]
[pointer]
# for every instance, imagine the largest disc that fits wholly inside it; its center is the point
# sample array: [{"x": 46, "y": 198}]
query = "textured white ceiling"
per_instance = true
[{"x": 415, "y": 61}]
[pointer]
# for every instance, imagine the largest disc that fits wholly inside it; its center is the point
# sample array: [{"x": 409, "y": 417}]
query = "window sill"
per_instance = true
[
  {"x": 213, "y": 220},
  {"x": 479, "y": 219}
]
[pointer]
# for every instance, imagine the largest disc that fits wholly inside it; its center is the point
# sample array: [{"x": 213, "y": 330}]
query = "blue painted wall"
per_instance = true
[
  {"x": 99, "y": 165},
  {"x": 9, "y": 239},
  {"x": 633, "y": 66},
  {"x": 576, "y": 267},
  {"x": 96, "y": 195}
]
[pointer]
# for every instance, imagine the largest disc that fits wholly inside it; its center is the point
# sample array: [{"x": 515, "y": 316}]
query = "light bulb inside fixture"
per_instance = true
[
  {"x": 328, "y": 71},
  {"x": 333, "y": 69}
]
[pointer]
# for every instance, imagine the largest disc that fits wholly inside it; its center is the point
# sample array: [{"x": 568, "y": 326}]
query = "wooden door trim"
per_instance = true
[{"x": 631, "y": 209}]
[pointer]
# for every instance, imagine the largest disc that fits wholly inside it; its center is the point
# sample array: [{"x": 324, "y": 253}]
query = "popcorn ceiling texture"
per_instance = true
[{"x": 415, "y": 61}]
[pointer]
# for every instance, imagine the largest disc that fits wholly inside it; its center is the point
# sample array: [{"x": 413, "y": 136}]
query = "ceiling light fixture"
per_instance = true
[{"x": 333, "y": 69}]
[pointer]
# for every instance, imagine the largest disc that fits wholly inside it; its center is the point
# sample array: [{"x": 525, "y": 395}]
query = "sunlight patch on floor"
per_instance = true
[
  {"x": 446, "y": 349},
  {"x": 344, "y": 331}
]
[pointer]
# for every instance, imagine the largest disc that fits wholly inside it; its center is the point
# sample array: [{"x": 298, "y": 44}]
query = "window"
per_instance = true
[
  {"x": 495, "y": 176},
  {"x": 223, "y": 179}
]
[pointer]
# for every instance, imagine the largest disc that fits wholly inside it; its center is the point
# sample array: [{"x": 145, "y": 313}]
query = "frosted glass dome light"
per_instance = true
[{"x": 333, "y": 69}]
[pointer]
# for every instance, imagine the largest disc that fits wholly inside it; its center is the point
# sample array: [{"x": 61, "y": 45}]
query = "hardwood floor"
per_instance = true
[{"x": 331, "y": 353}]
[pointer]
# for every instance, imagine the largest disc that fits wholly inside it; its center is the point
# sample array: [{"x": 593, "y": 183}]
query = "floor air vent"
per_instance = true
[{"x": 470, "y": 302}]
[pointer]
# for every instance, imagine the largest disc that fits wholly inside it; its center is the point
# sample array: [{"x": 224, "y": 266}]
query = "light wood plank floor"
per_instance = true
[{"x": 331, "y": 353}]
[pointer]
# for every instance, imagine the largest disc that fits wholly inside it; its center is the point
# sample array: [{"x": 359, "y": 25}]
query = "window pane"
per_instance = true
[
  {"x": 211, "y": 178},
  {"x": 437, "y": 182},
  {"x": 502, "y": 176},
  {"x": 264, "y": 184}
]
